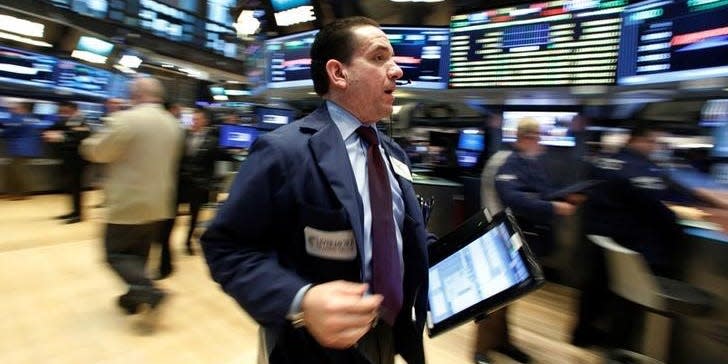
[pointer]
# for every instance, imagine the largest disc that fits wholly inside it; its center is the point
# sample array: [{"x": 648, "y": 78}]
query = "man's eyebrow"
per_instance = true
[{"x": 381, "y": 47}]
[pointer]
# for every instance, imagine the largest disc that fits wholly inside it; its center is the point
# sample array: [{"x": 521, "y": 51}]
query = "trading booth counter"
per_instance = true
[
  {"x": 704, "y": 264},
  {"x": 448, "y": 211}
]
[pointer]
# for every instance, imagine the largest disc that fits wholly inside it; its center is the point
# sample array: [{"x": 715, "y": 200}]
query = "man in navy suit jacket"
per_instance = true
[{"x": 293, "y": 242}]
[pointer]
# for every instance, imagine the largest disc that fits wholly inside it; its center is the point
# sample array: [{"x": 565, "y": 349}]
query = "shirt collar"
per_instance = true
[{"x": 345, "y": 122}]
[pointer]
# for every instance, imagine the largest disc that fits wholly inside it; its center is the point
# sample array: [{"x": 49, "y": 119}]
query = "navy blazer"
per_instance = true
[{"x": 296, "y": 176}]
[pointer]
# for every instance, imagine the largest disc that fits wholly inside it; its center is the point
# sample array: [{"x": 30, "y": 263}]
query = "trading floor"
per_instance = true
[{"x": 57, "y": 303}]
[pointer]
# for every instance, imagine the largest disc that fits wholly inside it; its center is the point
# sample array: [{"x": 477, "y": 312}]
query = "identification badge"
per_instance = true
[
  {"x": 336, "y": 245},
  {"x": 401, "y": 169}
]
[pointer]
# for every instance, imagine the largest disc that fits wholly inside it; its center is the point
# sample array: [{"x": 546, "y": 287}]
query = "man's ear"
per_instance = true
[{"x": 336, "y": 72}]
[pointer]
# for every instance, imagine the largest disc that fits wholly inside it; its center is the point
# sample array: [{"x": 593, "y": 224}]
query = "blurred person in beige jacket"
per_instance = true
[{"x": 139, "y": 147}]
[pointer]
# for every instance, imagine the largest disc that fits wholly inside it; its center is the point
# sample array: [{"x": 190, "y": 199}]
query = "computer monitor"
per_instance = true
[
  {"x": 554, "y": 126},
  {"x": 237, "y": 136},
  {"x": 471, "y": 144},
  {"x": 271, "y": 117},
  {"x": 471, "y": 139}
]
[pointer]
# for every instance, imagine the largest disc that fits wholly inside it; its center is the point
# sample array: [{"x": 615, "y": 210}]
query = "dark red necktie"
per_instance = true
[{"x": 386, "y": 270}]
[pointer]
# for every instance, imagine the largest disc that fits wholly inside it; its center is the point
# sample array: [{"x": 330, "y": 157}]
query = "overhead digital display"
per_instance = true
[
  {"x": 557, "y": 43},
  {"x": 422, "y": 55},
  {"x": 26, "y": 68},
  {"x": 289, "y": 61},
  {"x": 420, "y": 52},
  {"x": 79, "y": 78},
  {"x": 673, "y": 40}
]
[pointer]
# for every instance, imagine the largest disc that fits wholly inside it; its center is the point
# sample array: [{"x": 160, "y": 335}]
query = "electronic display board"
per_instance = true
[
  {"x": 422, "y": 55},
  {"x": 673, "y": 40},
  {"x": 420, "y": 52},
  {"x": 26, "y": 68},
  {"x": 557, "y": 43},
  {"x": 79, "y": 78},
  {"x": 553, "y": 125},
  {"x": 289, "y": 61}
]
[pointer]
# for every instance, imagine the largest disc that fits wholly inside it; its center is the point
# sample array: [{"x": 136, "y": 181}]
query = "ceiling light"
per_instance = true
[
  {"x": 21, "y": 39},
  {"x": 88, "y": 56},
  {"x": 21, "y": 26},
  {"x": 130, "y": 61},
  {"x": 247, "y": 24}
]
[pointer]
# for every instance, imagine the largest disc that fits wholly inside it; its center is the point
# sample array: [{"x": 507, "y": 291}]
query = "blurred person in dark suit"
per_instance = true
[
  {"x": 522, "y": 184},
  {"x": 139, "y": 147},
  {"x": 196, "y": 181},
  {"x": 629, "y": 206},
  {"x": 66, "y": 134}
]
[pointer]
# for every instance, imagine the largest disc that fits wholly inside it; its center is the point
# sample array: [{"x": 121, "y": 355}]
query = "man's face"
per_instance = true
[
  {"x": 65, "y": 111},
  {"x": 370, "y": 76},
  {"x": 198, "y": 120}
]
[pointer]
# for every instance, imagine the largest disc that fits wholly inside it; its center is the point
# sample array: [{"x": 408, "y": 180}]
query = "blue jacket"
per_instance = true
[
  {"x": 22, "y": 137},
  {"x": 295, "y": 177},
  {"x": 628, "y": 205},
  {"x": 522, "y": 184}
]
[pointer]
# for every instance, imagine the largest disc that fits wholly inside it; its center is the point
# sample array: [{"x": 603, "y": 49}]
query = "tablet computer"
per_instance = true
[{"x": 479, "y": 267}]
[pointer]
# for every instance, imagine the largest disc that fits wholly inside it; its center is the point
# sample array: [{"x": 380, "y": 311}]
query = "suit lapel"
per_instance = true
[{"x": 329, "y": 151}]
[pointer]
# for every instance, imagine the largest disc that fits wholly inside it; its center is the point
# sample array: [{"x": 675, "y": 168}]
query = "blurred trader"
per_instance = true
[
  {"x": 523, "y": 184},
  {"x": 321, "y": 240},
  {"x": 629, "y": 207},
  {"x": 138, "y": 145},
  {"x": 195, "y": 183},
  {"x": 22, "y": 143},
  {"x": 67, "y": 134}
]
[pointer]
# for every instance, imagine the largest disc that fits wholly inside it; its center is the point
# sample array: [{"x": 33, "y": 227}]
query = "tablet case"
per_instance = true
[{"x": 472, "y": 230}]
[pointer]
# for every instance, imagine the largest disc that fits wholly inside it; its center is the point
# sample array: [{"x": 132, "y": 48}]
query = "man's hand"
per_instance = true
[
  {"x": 563, "y": 208},
  {"x": 338, "y": 313},
  {"x": 53, "y": 136}
]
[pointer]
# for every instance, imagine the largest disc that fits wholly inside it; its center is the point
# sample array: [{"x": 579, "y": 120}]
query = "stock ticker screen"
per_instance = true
[
  {"x": 673, "y": 40},
  {"x": 557, "y": 43},
  {"x": 420, "y": 52}
]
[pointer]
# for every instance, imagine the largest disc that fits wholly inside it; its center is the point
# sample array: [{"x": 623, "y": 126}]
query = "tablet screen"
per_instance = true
[{"x": 477, "y": 269}]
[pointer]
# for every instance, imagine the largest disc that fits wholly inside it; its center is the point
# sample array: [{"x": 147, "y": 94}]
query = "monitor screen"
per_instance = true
[
  {"x": 471, "y": 139},
  {"x": 94, "y": 45},
  {"x": 271, "y": 118},
  {"x": 422, "y": 53},
  {"x": 45, "y": 108},
  {"x": 558, "y": 43},
  {"x": 288, "y": 60},
  {"x": 281, "y": 5},
  {"x": 673, "y": 40},
  {"x": 79, "y": 78},
  {"x": 237, "y": 136},
  {"x": 26, "y": 68},
  {"x": 476, "y": 273},
  {"x": 554, "y": 126},
  {"x": 94, "y": 8}
]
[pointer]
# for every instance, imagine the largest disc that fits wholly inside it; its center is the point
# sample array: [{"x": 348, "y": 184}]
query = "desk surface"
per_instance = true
[{"x": 434, "y": 181}]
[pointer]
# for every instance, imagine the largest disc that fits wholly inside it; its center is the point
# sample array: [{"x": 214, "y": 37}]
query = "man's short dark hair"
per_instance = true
[
  {"x": 70, "y": 104},
  {"x": 642, "y": 128},
  {"x": 334, "y": 41},
  {"x": 204, "y": 112}
]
